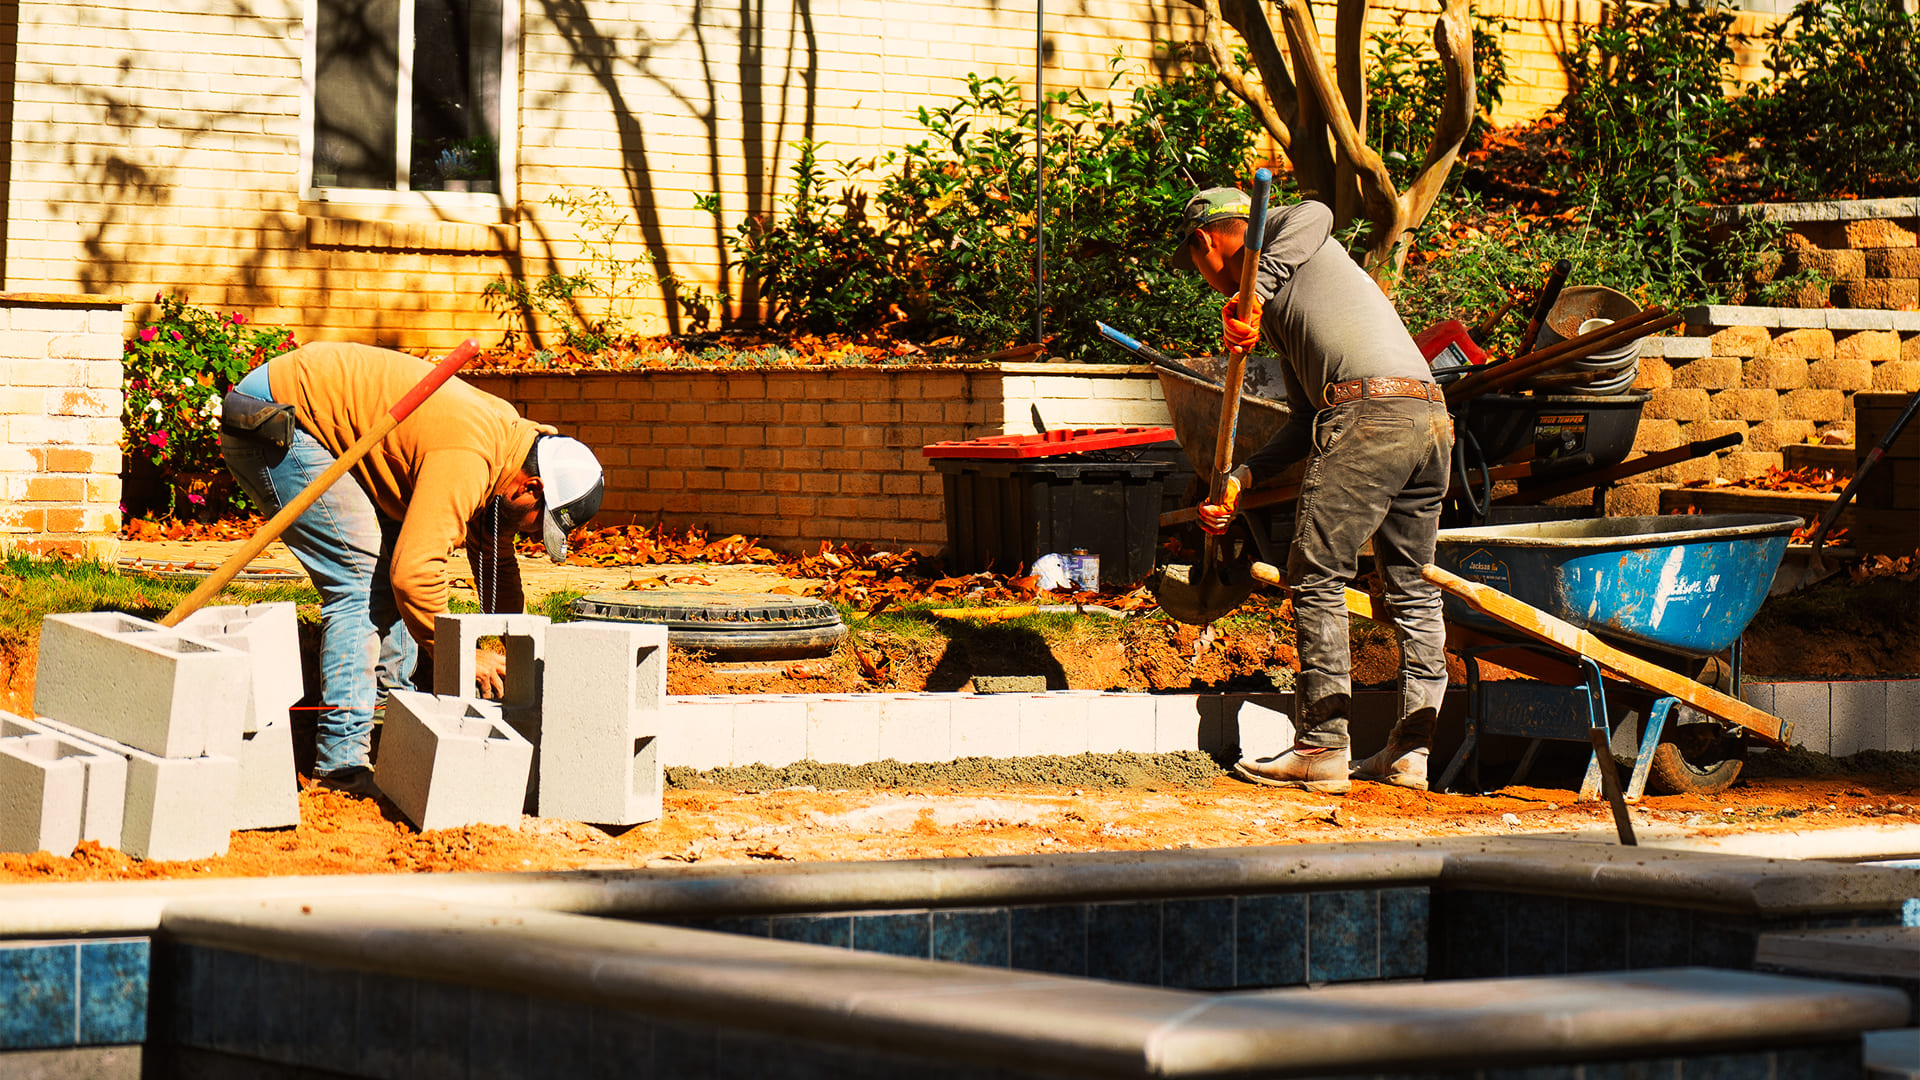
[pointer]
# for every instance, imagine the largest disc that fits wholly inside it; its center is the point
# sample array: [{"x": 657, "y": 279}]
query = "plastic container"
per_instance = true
[
  {"x": 1002, "y": 515},
  {"x": 1055, "y": 443},
  {"x": 1448, "y": 348}
]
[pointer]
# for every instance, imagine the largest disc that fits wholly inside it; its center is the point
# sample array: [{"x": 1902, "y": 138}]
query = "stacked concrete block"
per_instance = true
[
  {"x": 1122, "y": 722},
  {"x": 916, "y": 727},
  {"x": 176, "y": 807},
  {"x": 697, "y": 732},
  {"x": 602, "y": 705},
  {"x": 768, "y": 730},
  {"x": 42, "y": 795},
  {"x": 142, "y": 684},
  {"x": 104, "y": 792},
  {"x": 451, "y": 761},
  {"x": 455, "y": 637},
  {"x": 269, "y": 795},
  {"x": 1259, "y": 725},
  {"x": 984, "y": 725}
]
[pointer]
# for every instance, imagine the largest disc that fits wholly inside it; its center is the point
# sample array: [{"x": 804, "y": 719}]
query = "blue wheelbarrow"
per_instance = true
[{"x": 1647, "y": 600}]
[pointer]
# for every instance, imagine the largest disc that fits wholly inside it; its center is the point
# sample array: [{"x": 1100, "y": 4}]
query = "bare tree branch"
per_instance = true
[
  {"x": 1261, "y": 104},
  {"x": 1453, "y": 40}
]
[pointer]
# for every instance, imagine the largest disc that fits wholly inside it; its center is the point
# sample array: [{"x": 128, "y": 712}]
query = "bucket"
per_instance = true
[{"x": 1582, "y": 310}]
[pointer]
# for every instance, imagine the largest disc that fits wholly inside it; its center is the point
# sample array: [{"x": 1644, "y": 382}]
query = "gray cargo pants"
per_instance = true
[{"x": 1378, "y": 469}]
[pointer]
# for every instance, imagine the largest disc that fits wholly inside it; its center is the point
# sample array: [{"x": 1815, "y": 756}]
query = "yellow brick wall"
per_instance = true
[
  {"x": 60, "y": 405},
  {"x": 159, "y": 150}
]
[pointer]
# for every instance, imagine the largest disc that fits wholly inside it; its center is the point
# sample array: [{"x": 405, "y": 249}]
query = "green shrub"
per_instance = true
[
  {"x": 177, "y": 369},
  {"x": 1839, "y": 113},
  {"x": 1406, "y": 86}
]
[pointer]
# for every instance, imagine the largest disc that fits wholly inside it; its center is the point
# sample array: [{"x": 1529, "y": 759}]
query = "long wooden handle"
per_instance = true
[
  {"x": 1249, "y": 311},
  {"x": 1543, "y": 627},
  {"x": 291, "y": 511},
  {"x": 1505, "y": 372},
  {"x": 1581, "y": 481}
]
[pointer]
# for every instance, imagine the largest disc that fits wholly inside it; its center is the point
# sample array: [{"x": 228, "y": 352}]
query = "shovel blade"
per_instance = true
[{"x": 1221, "y": 587}]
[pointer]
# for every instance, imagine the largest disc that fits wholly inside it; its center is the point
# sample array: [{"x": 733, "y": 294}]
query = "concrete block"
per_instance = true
[
  {"x": 1652, "y": 373},
  {"x": 1834, "y": 265},
  {"x": 270, "y": 636},
  {"x": 268, "y": 791},
  {"x": 1760, "y": 695},
  {"x": 985, "y": 725},
  {"x": 915, "y": 728},
  {"x": 1121, "y": 722},
  {"x": 1653, "y": 436},
  {"x": 1775, "y": 372},
  {"x": 1839, "y": 374},
  {"x": 142, "y": 684},
  {"x": 1906, "y": 322},
  {"x": 1633, "y": 500},
  {"x": 1857, "y": 711},
  {"x": 1053, "y": 723},
  {"x": 696, "y": 731},
  {"x": 770, "y": 732},
  {"x": 1898, "y": 376},
  {"x": 1749, "y": 405},
  {"x": 1867, "y": 346},
  {"x": 1772, "y": 435},
  {"x": 42, "y": 795},
  {"x": 843, "y": 729},
  {"x": 1744, "y": 341},
  {"x": 1708, "y": 373},
  {"x": 1741, "y": 464},
  {"x": 1810, "y": 343},
  {"x": 104, "y": 812},
  {"x": 602, "y": 703},
  {"x": 1815, "y": 406},
  {"x": 1724, "y": 315},
  {"x": 1186, "y": 722},
  {"x": 1803, "y": 318},
  {"x": 1891, "y": 294},
  {"x": 1684, "y": 348},
  {"x": 1676, "y": 404},
  {"x": 450, "y": 761},
  {"x": 1879, "y": 233},
  {"x": 1839, "y": 319},
  {"x": 456, "y": 636},
  {"x": 1806, "y": 705},
  {"x": 1903, "y": 714},
  {"x": 1258, "y": 725}
]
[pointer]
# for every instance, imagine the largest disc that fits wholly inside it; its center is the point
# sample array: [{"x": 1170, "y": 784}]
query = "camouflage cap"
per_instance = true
[{"x": 1205, "y": 208}]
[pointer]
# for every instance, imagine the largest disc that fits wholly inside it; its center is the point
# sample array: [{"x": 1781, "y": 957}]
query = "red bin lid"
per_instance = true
[{"x": 1050, "y": 443}]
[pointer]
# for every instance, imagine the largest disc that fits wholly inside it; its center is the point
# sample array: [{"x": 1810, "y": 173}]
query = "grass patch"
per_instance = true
[{"x": 31, "y": 589}]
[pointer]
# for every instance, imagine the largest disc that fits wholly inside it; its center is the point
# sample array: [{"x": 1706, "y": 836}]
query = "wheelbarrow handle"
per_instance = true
[{"x": 309, "y": 495}]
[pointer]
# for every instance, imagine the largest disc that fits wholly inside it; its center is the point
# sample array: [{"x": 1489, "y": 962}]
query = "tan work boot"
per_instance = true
[
  {"x": 1307, "y": 768},
  {"x": 1397, "y": 764}
]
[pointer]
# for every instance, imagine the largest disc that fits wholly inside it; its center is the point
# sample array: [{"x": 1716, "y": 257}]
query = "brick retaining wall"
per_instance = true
[{"x": 60, "y": 401}]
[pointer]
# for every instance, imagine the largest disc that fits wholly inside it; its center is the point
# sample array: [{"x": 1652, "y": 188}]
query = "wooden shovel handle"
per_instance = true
[{"x": 291, "y": 511}]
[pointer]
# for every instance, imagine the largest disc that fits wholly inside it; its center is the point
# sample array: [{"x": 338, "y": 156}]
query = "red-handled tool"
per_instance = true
[{"x": 291, "y": 511}]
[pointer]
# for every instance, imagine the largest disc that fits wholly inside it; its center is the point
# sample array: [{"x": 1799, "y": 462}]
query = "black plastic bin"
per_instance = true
[{"x": 1002, "y": 515}]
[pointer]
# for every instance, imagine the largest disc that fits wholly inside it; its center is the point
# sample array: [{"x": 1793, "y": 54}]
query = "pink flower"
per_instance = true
[
  {"x": 177, "y": 336},
  {"x": 238, "y": 318},
  {"x": 158, "y": 438},
  {"x": 148, "y": 333},
  {"x": 196, "y": 498}
]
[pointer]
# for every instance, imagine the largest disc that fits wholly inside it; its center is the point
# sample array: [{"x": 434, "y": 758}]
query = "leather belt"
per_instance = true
[{"x": 1341, "y": 393}]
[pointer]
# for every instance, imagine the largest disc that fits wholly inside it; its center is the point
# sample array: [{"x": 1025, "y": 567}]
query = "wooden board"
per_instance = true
[
  {"x": 1809, "y": 505},
  {"x": 1838, "y": 459},
  {"x": 1540, "y": 626}
]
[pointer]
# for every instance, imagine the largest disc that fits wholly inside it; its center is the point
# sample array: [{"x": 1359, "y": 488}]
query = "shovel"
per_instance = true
[
  {"x": 1218, "y": 588},
  {"x": 311, "y": 493}
]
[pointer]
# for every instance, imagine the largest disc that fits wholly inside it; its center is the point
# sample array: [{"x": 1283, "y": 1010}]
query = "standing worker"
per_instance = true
[
  {"x": 1365, "y": 412},
  {"x": 463, "y": 466}
]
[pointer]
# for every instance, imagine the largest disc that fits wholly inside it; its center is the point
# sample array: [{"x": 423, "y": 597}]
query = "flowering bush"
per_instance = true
[{"x": 177, "y": 369}]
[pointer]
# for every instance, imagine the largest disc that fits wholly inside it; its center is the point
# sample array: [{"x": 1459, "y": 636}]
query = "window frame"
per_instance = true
[{"x": 506, "y": 193}]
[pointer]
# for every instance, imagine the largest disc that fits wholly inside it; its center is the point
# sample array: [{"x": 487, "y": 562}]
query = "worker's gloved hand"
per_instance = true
[
  {"x": 1215, "y": 517},
  {"x": 1235, "y": 335},
  {"x": 490, "y": 674}
]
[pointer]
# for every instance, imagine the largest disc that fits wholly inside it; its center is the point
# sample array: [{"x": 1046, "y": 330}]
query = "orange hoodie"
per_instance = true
[{"x": 432, "y": 473}]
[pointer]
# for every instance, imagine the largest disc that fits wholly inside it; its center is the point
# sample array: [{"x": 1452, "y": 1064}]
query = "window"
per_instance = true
[{"x": 409, "y": 96}]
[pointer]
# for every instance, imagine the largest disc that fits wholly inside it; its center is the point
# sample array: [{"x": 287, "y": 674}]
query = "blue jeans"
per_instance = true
[
  {"x": 346, "y": 546},
  {"x": 1378, "y": 470}
]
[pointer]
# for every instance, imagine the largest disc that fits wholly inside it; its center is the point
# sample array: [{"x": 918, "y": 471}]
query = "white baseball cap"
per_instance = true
[{"x": 571, "y": 487}]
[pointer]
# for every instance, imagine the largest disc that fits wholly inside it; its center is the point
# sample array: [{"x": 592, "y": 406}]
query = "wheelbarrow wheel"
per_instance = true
[{"x": 1696, "y": 759}]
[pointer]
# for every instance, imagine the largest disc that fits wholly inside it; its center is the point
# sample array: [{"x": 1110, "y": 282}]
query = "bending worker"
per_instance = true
[
  {"x": 1366, "y": 414},
  {"x": 463, "y": 466}
]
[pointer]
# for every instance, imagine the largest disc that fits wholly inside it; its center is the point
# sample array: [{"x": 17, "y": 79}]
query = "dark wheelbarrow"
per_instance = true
[{"x": 1648, "y": 600}]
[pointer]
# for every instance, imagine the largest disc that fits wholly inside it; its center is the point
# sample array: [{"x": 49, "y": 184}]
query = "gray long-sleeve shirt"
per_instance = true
[{"x": 1328, "y": 321}]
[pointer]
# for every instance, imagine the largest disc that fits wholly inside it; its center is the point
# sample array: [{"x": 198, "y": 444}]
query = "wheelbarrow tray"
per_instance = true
[
  {"x": 1683, "y": 585},
  {"x": 1194, "y": 406}
]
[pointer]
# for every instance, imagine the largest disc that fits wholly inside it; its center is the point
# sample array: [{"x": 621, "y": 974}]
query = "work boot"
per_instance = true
[
  {"x": 357, "y": 780},
  {"x": 1305, "y": 767},
  {"x": 1397, "y": 764}
]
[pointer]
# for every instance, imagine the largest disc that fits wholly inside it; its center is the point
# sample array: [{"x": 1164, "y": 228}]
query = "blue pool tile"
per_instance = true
[
  {"x": 38, "y": 984},
  {"x": 1196, "y": 942},
  {"x": 280, "y": 1021},
  {"x": 496, "y": 1035},
  {"x": 1597, "y": 933},
  {"x": 559, "y": 1039},
  {"x": 1343, "y": 935},
  {"x": 622, "y": 1045},
  {"x": 1658, "y": 937},
  {"x": 1647, "y": 1069},
  {"x": 749, "y": 925},
  {"x": 1472, "y": 933},
  {"x": 382, "y": 1024},
  {"x": 1404, "y": 925},
  {"x": 1533, "y": 1072},
  {"x": 1821, "y": 1061},
  {"x": 113, "y": 992},
  {"x": 1270, "y": 940},
  {"x": 1536, "y": 935},
  {"x": 1723, "y": 941},
  {"x": 1748, "y": 1065},
  {"x": 231, "y": 995},
  {"x": 1050, "y": 938},
  {"x": 684, "y": 1050},
  {"x": 329, "y": 1002},
  {"x": 835, "y": 930},
  {"x": 978, "y": 936},
  {"x": 901, "y": 934},
  {"x": 439, "y": 1049},
  {"x": 1123, "y": 942}
]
